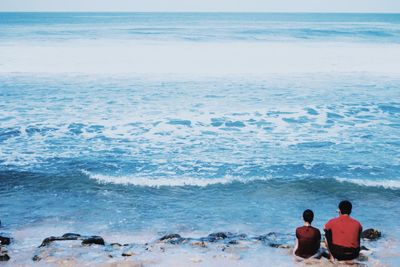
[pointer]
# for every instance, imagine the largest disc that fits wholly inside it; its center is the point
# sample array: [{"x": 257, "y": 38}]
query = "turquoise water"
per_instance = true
[{"x": 102, "y": 154}]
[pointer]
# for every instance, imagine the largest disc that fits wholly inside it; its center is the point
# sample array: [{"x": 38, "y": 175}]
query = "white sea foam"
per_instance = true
[
  {"x": 168, "y": 181},
  {"x": 199, "y": 58},
  {"x": 387, "y": 184}
]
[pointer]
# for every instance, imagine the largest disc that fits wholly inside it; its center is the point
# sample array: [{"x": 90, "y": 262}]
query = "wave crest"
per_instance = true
[
  {"x": 169, "y": 181},
  {"x": 387, "y": 184}
]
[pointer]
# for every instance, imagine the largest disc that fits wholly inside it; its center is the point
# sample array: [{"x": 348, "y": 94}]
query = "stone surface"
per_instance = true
[
  {"x": 93, "y": 240},
  {"x": 371, "y": 234},
  {"x": 5, "y": 240},
  {"x": 4, "y": 257}
]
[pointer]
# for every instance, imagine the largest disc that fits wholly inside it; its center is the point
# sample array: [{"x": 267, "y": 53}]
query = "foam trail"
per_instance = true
[
  {"x": 169, "y": 182},
  {"x": 387, "y": 184}
]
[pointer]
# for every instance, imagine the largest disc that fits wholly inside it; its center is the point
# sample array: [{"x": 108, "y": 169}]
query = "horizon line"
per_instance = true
[{"x": 177, "y": 11}]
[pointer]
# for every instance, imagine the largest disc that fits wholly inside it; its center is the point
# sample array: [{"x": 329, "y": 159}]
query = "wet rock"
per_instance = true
[
  {"x": 172, "y": 239},
  {"x": 364, "y": 248},
  {"x": 218, "y": 236},
  {"x": 275, "y": 240},
  {"x": 170, "y": 236},
  {"x": 127, "y": 254},
  {"x": 71, "y": 235},
  {"x": 36, "y": 258},
  {"x": 65, "y": 237},
  {"x": 5, "y": 240},
  {"x": 371, "y": 234},
  {"x": 86, "y": 240},
  {"x": 199, "y": 244},
  {"x": 93, "y": 240},
  {"x": 4, "y": 257}
]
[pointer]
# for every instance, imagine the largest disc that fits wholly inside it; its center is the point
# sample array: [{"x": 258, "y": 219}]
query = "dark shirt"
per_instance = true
[{"x": 309, "y": 241}]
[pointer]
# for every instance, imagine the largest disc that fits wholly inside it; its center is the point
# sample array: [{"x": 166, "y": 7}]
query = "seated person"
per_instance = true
[
  {"x": 308, "y": 238},
  {"x": 342, "y": 234}
]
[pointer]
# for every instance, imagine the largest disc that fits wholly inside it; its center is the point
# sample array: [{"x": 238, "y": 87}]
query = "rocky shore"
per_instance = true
[{"x": 66, "y": 249}]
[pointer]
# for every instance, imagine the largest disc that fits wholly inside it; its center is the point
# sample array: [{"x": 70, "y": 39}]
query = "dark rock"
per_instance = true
[
  {"x": 218, "y": 236},
  {"x": 273, "y": 245},
  {"x": 36, "y": 258},
  {"x": 261, "y": 238},
  {"x": 71, "y": 235},
  {"x": 50, "y": 239},
  {"x": 127, "y": 254},
  {"x": 242, "y": 236},
  {"x": 47, "y": 241},
  {"x": 4, "y": 257},
  {"x": 98, "y": 240},
  {"x": 364, "y": 248},
  {"x": 172, "y": 239},
  {"x": 170, "y": 236},
  {"x": 5, "y": 240},
  {"x": 371, "y": 234},
  {"x": 115, "y": 245}
]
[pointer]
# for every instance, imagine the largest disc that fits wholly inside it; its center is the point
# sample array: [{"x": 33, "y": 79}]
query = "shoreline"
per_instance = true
[{"x": 172, "y": 250}]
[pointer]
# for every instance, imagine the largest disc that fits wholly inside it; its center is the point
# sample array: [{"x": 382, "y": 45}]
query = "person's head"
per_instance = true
[
  {"x": 345, "y": 207},
  {"x": 308, "y": 216}
]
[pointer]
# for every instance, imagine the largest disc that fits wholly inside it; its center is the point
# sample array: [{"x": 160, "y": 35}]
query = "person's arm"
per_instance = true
[
  {"x": 328, "y": 238},
  {"x": 296, "y": 246}
]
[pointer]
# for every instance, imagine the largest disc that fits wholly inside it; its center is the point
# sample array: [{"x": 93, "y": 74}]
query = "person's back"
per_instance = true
[
  {"x": 308, "y": 237},
  {"x": 343, "y": 234}
]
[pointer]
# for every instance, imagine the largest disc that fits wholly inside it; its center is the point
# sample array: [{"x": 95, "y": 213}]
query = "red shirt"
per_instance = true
[
  {"x": 345, "y": 231},
  {"x": 309, "y": 239}
]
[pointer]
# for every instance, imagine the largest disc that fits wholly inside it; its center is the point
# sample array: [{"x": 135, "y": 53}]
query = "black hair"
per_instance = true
[
  {"x": 308, "y": 216},
  {"x": 345, "y": 207}
]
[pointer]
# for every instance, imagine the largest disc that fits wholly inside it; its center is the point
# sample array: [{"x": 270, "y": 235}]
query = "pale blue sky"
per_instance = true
[{"x": 204, "y": 5}]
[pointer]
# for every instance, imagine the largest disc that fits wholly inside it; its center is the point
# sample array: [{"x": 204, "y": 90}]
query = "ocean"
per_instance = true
[{"x": 135, "y": 125}]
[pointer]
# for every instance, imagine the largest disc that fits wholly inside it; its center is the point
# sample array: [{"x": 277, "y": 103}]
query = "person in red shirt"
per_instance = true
[
  {"x": 308, "y": 238},
  {"x": 342, "y": 234}
]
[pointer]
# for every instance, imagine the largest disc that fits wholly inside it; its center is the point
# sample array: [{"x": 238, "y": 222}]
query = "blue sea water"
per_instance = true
[{"x": 110, "y": 154}]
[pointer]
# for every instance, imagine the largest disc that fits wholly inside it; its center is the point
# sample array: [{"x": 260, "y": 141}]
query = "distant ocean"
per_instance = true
[{"x": 135, "y": 125}]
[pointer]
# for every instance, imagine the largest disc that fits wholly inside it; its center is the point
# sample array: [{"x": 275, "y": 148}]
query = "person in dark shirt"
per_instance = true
[
  {"x": 342, "y": 234},
  {"x": 308, "y": 238}
]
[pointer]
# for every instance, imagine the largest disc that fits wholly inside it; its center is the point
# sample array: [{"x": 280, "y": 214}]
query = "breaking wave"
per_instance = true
[
  {"x": 168, "y": 181},
  {"x": 387, "y": 184}
]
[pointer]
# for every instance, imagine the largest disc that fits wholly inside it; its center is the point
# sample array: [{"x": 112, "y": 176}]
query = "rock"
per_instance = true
[
  {"x": 364, "y": 248},
  {"x": 172, "y": 239},
  {"x": 5, "y": 240},
  {"x": 4, "y": 257},
  {"x": 86, "y": 240},
  {"x": 98, "y": 240},
  {"x": 371, "y": 234},
  {"x": 71, "y": 235},
  {"x": 36, "y": 258},
  {"x": 127, "y": 254},
  {"x": 199, "y": 244},
  {"x": 65, "y": 237},
  {"x": 170, "y": 236},
  {"x": 218, "y": 236}
]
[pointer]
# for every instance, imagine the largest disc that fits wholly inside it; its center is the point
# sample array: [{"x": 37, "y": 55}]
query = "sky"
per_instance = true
[{"x": 385, "y": 6}]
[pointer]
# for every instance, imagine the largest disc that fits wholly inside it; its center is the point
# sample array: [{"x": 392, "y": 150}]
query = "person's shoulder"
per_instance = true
[
  {"x": 316, "y": 229},
  {"x": 331, "y": 222},
  {"x": 356, "y": 222}
]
